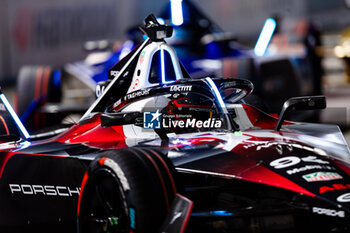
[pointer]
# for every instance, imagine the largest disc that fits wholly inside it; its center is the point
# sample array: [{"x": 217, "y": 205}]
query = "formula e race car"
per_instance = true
[{"x": 160, "y": 152}]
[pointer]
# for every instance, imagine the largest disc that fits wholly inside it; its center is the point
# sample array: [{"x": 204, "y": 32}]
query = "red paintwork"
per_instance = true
[
  {"x": 261, "y": 120},
  {"x": 242, "y": 164},
  {"x": 263, "y": 175},
  {"x": 165, "y": 166},
  {"x": 5, "y": 125},
  {"x": 99, "y": 134},
  {"x": 243, "y": 167},
  {"x": 102, "y": 161},
  {"x": 245, "y": 163},
  {"x": 85, "y": 178},
  {"x": 161, "y": 180},
  {"x": 4, "y": 160},
  {"x": 333, "y": 187},
  {"x": 9, "y": 155},
  {"x": 94, "y": 135},
  {"x": 344, "y": 166}
]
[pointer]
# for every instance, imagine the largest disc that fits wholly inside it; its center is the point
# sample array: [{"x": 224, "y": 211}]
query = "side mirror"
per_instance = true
[
  {"x": 120, "y": 118},
  {"x": 300, "y": 103}
]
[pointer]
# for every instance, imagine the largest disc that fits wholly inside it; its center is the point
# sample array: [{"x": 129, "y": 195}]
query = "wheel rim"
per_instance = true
[{"x": 104, "y": 208}]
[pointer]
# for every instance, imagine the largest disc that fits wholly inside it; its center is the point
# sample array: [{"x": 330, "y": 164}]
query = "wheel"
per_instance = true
[
  {"x": 128, "y": 190},
  {"x": 36, "y": 85}
]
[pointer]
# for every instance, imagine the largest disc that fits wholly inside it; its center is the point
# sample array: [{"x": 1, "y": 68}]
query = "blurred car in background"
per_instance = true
[{"x": 46, "y": 94}]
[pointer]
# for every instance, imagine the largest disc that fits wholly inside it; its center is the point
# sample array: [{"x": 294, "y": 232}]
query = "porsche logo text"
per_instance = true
[{"x": 49, "y": 190}]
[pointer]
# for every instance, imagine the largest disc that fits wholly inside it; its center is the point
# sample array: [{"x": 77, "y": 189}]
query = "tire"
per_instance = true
[
  {"x": 36, "y": 85},
  {"x": 127, "y": 190}
]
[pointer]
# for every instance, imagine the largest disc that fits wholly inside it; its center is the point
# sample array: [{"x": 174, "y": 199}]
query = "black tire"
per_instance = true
[
  {"x": 36, "y": 85},
  {"x": 133, "y": 187}
]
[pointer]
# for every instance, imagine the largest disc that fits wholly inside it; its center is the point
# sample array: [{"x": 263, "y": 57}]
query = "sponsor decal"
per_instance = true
[
  {"x": 116, "y": 104},
  {"x": 132, "y": 217},
  {"x": 99, "y": 90},
  {"x": 309, "y": 167},
  {"x": 180, "y": 88},
  {"x": 344, "y": 198},
  {"x": 142, "y": 56},
  {"x": 334, "y": 187},
  {"x": 118, "y": 171},
  {"x": 152, "y": 120},
  {"x": 328, "y": 212},
  {"x": 285, "y": 162},
  {"x": 322, "y": 176},
  {"x": 48, "y": 190},
  {"x": 293, "y": 160},
  {"x": 229, "y": 84},
  {"x": 136, "y": 83},
  {"x": 114, "y": 73},
  {"x": 137, "y": 94}
]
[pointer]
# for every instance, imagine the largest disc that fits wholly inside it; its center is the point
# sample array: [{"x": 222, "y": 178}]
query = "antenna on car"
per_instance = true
[{"x": 154, "y": 30}]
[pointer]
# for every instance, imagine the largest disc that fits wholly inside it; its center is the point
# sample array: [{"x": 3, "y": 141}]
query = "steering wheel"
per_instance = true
[{"x": 232, "y": 89}]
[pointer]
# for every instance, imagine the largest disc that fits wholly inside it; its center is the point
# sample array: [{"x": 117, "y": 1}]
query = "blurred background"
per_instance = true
[{"x": 308, "y": 53}]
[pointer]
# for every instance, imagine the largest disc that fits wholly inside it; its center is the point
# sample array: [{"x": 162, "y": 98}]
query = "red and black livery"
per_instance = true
[{"x": 228, "y": 167}]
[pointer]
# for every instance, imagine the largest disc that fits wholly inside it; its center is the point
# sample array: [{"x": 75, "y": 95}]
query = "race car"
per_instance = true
[
  {"x": 161, "y": 152},
  {"x": 48, "y": 95}
]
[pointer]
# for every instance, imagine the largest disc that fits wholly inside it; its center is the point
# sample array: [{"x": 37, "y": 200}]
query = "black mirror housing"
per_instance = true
[
  {"x": 119, "y": 118},
  {"x": 306, "y": 103},
  {"x": 301, "y": 103}
]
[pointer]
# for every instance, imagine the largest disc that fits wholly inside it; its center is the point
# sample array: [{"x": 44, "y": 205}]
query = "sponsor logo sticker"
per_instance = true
[
  {"x": 334, "y": 187},
  {"x": 119, "y": 172},
  {"x": 136, "y": 83},
  {"x": 137, "y": 94},
  {"x": 293, "y": 160},
  {"x": 322, "y": 176},
  {"x": 132, "y": 218},
  {"x": 114, "y": 73},
  {"x": 344, "y": 198},
  {"x": 309, "y": 167},
  {"x": 180, "y": 88},
  {"x": 328, "y": 212},
  {"x": 46, "y": 190},
  {"x": 142, "y": 56}
]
